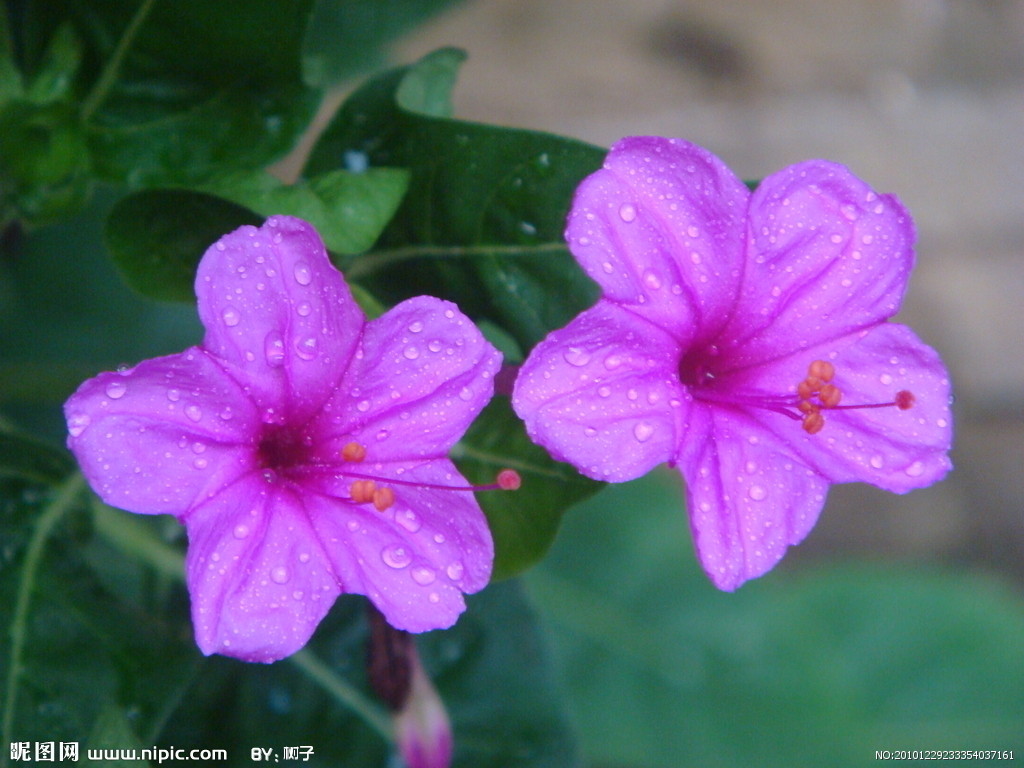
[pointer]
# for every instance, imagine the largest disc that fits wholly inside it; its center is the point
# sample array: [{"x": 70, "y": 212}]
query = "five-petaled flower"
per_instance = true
[
  {"x": 744, "y": 339},
  {"x": 304, "y": 448}
]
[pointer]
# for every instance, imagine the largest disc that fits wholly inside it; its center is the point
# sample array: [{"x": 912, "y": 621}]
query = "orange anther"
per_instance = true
[
  {"x": 905, "y": 399},
  {"x": 821, "y": 369},
  {"x": 354, "y": 452},
  {"x": 362, "y": 491},
  {"x": 806, "y": 388},
  {"x": 830, "y": 395},
  {"x": 383, "y": 498},
  {"x": 813, "y": 422},
  {"x": 806, "y": 406}
]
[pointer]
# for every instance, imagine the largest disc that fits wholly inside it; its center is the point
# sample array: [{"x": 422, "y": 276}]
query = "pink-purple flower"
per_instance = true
[
  {"x": 304, "y": 448},
  {"x": 743, "y": 338}
]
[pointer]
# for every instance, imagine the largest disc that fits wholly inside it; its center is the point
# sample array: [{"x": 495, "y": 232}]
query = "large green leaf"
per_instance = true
[
  {"x": 157, "y": 236},
  {"x": 819, "y": 667},
  {"x": 173, "y": 91},
  {"x": 483, "y": 220}
]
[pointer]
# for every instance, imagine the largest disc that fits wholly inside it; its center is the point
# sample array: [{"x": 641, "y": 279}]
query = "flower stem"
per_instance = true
[
  {"x": 66, "y": 494},
  {"x": 343, "y": 692},
  {"x": 108, "y": 77}
]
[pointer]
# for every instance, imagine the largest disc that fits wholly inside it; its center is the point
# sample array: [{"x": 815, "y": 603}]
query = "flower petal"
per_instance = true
[
  {"x": 279, "y": 315},
  {"x": 417, "y": 558},
  {"x": 894, "y": 449},
  {"x": 749, "y": 498},
  {"x": 156, "y": 438},
  {"x": 603, "y": 394},
  {"x": 422, "y": 374},
  {"x": 258, "y": 575},
  {"x": 660, "y": 227},
  {"x": 828, "y": 256}
]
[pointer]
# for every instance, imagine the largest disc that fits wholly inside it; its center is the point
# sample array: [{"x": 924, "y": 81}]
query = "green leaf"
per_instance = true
[
  {"x": 11, "y": 85},
  {"x": 174, "y": 91},
  {"x": 158, "y": 254},
  {"x": 154, "y": 248},
  {"x": 821, "y": 666},
  {"x": 344, "y": 39},
  {"x": 349, "y": 210},
  {"x": 28, "y": 459},
  {"x": 482, "y": 222},
  {"x": 523, "y": 522}
]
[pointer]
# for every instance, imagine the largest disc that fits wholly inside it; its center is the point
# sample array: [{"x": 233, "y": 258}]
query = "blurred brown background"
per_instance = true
[{"x": 924, "y": 98}]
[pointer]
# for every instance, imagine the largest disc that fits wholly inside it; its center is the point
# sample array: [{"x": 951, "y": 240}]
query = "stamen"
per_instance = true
[
  {"x": 367, "y": 489},
  {"x": 354, "y": 452},
  {"x": 816, "y": 394}
]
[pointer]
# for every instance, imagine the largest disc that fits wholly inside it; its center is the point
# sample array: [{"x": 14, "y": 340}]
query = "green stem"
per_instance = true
[
  {"x": 138, "y": 541},
  {"x": 368, "y": 263},
  {"x": 66, "y": 494},
  {"x": 344, "y": 692},
  {"x": 110, "y": 72}
]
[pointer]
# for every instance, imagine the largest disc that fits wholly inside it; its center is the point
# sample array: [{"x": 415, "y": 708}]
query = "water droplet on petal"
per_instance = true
[
  {"x": 757, "y": 492},
  {"x": 77, "y": 423},
  {"x": 408, "y": 520},
  {"x": 230, "y": 316},
  {"x": 411, "y": 353},
  {"x": 116, "y": 389},
  {"x": 396, "y": 556},
  {"x": 876, "y": 461},
  {"x": 643, "y": 431},
  {"x": 304, "y": 309},
  {"x": 652, "y": 281},
  {"x": 627, "y": 212},
  {"x": 241, "y": 531},
  {"x": 194, "y": 412},
  {"x": 415, "y": 327},
  {"x": 306, "y": 348},
  {"x": 363, "y": 406},
  {"x": 303, "y": 274},
  {"x": 280, "y": 575},
  {"x": 273, "y": 348},
  {"x": 423, "y": 575},
  {"x": 466, "y": 394},
  {"x": 576, "y": 356},
  {"x": 304, "y": 557},
  {"x": 173, "y": 395},
  {"x": 693, "y": 231},
  {"x": 915, "y": 470},
  {"x": 455, "y": 571}
]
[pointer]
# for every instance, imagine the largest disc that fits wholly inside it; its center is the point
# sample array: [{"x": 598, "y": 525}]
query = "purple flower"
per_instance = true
[
  {"x": 742, "y": 338},
  {"x": 303, "y": 447}
]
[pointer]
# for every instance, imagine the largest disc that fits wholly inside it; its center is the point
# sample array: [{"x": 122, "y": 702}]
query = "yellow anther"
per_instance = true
[{"x": 354, "y": 452}]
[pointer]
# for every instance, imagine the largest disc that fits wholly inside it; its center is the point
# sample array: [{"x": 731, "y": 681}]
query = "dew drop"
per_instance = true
[
  {"x": 241, "y": 531},
  {"x": 885, "y": 378},
  {"x": 411, "y": 353},
  {"x": 576, "y": 356},
  {"x": 652, "y": 281},
  {"x": 304, "y": 557},
  {"x": 757, "y": 492},
  {"x": 434, "y": 346},
  {"x": 200, "y": 463},
  {"x": 230, "y": 316},
  {"x": 643, "y": 431},
  {"x": 304, "y": 309},
  {"x": 77, "y": 423},
  {"x": 194, "y": 412},
  {"x": 876, "y": 461},
  {"x": 693, "y": 231},
  {"x": 273, "y": 349},
  {"x": 423, "y": 575},
  {"x": 280, "y": 575},
  {"x": 173, "y": 395},
  {"x": 627, "y": 212},
  {"x": 612, "y": 362},
  {"x": 604, "y": 391},
  {"x": 227, "y": 414},
  {"x": 395, "y": 556},
  {"x": 116, "y": 389},
  {"x": 408, "y": 520},
  {"x": 363, "y": 406},
  {"x": 303, "y": 274},
  {"x": 455, "y": 571},
  {"x": 466, "y": 394},
  {"x": 695, "y": 257},
  {"x": 306, "y": 348},
  {"x": 915, "y": 470}
]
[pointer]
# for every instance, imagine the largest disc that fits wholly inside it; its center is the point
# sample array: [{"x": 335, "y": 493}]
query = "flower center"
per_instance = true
[
  {"x": 370, "y": 489},
  {"x": 280, "y": 449},
  {"x": 815, "y": 394}
]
